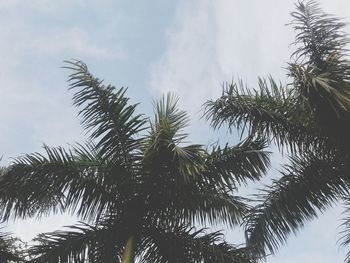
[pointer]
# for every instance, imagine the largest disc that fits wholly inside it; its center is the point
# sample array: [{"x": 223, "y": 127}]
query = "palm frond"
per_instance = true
[
  {"x": 185, "y": 244},
  {"x": 308, "y": 185},
  {"x": 106, "y": 113},
  {"x": 169, "y": 120},
  {"x": 211, "y": 206},
  {"x": 271, "y": 112},
  {"x": 320, "y": 38},
  {"x": 36, "y": 184},
  {"x": 235, "y": 165},
  {"x": 164, "y": 144},
  {"x": 81, "y": 243}
]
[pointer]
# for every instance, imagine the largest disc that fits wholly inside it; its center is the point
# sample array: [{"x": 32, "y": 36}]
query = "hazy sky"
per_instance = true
[{"x": 187, "y": 46}]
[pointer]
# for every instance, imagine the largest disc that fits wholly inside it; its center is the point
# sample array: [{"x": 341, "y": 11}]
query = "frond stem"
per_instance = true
[{"x": 129, "y": 251}]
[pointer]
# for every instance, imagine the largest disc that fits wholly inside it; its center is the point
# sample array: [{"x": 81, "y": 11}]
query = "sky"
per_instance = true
[{"x": 189, "y": 47}]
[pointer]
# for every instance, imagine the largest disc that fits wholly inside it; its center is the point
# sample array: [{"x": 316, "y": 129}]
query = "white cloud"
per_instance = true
[
  {"x": 54, "y": 28},
  {"x": 188, "y": 67},
  {"x": 74, "y": 42},
  {"x": 210, "y": 43},
  {"x": 34, "y": 103}
]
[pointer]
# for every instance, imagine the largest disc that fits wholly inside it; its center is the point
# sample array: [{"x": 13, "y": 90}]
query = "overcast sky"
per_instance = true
[{"x": 186, "y": 46}]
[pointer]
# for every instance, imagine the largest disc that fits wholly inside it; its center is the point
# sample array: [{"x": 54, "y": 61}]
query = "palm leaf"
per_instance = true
[
  {"x": 271, "y": 112},
  {"x": 232, "y": 166},
  {"x": 319, "y": 35},
  {"x": 81, "y": 243},
  {"x": 184, "y": 244},
  {"x": 211, "y": 206},
  {"x": 105, "y": 113},
  {"x": 36, "y": 184},
  {"x": 309, "y": 184}
]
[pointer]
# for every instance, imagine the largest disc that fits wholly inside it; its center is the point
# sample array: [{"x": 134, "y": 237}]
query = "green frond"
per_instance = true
[
  {"x": 309, "y": 184},
  {"x": 185, "y": 244},
  {"x": 212, "y": 206},
  {"x": 320, "y": 38},
  {"x": 78, "y": 180},
  {"x": 164, "y": 144},
  {"x": 106, "y": 113},
  {"x": 272, "y": 112},
  {"x": 166, "y": 128},
  {"x": 169, "y": 121},
  {"x": 237, "y": 164},
  {"x": 189, "y": 160},
  {"x": 25, "y": 192},
  {"x": 81, "y": 243}
]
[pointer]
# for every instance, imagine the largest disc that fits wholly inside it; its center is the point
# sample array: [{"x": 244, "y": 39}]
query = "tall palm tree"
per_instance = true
[
  {"x": 137, "y": 184},
  {"x": 310, "y": 117}
]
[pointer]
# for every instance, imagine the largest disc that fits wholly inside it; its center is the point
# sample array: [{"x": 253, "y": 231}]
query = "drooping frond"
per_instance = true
[
  {"x": 309, "y": 184},
  {"x": 81, "y": 243},
  {"x": 185, "y": 244},
  {"x": 233, "y": 166},
  {"x": 106, "y": 113},
  {"x": 36, "y": 184},
  {"x": 271, "y": 112},
  {"x": 213, "y": 206}
]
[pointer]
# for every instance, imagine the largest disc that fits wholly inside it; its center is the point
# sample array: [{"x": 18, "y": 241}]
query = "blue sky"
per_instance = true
[{"x": 186, "y": 46}]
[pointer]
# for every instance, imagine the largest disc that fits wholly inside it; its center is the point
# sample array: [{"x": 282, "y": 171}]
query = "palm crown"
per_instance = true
[
  {"x": 136, "y": 182},
  {"x": 310, "y": 117}
]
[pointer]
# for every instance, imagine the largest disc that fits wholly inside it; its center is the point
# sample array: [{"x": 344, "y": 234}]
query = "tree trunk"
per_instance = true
[{"x": 129, "y": 250}]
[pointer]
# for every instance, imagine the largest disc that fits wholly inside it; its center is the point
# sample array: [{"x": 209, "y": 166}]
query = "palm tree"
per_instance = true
[
  {"x": 310, "y": 117},
  {"x": 136, "y": 184}
]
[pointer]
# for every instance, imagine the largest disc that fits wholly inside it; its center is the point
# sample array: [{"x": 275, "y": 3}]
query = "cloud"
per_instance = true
[
  {"x": 188, "y": 66},
  {"x": 72, "y": 42},
  {"x": 35, "y": 37},
  {"x": 210, "y": 43},
  {"x": 56, "y": 28}
]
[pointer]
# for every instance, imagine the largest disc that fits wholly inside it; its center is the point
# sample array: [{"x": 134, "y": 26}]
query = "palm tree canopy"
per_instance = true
[
  {"x": 310, "y": 117},
  {"x": 135, "y": 181}
]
